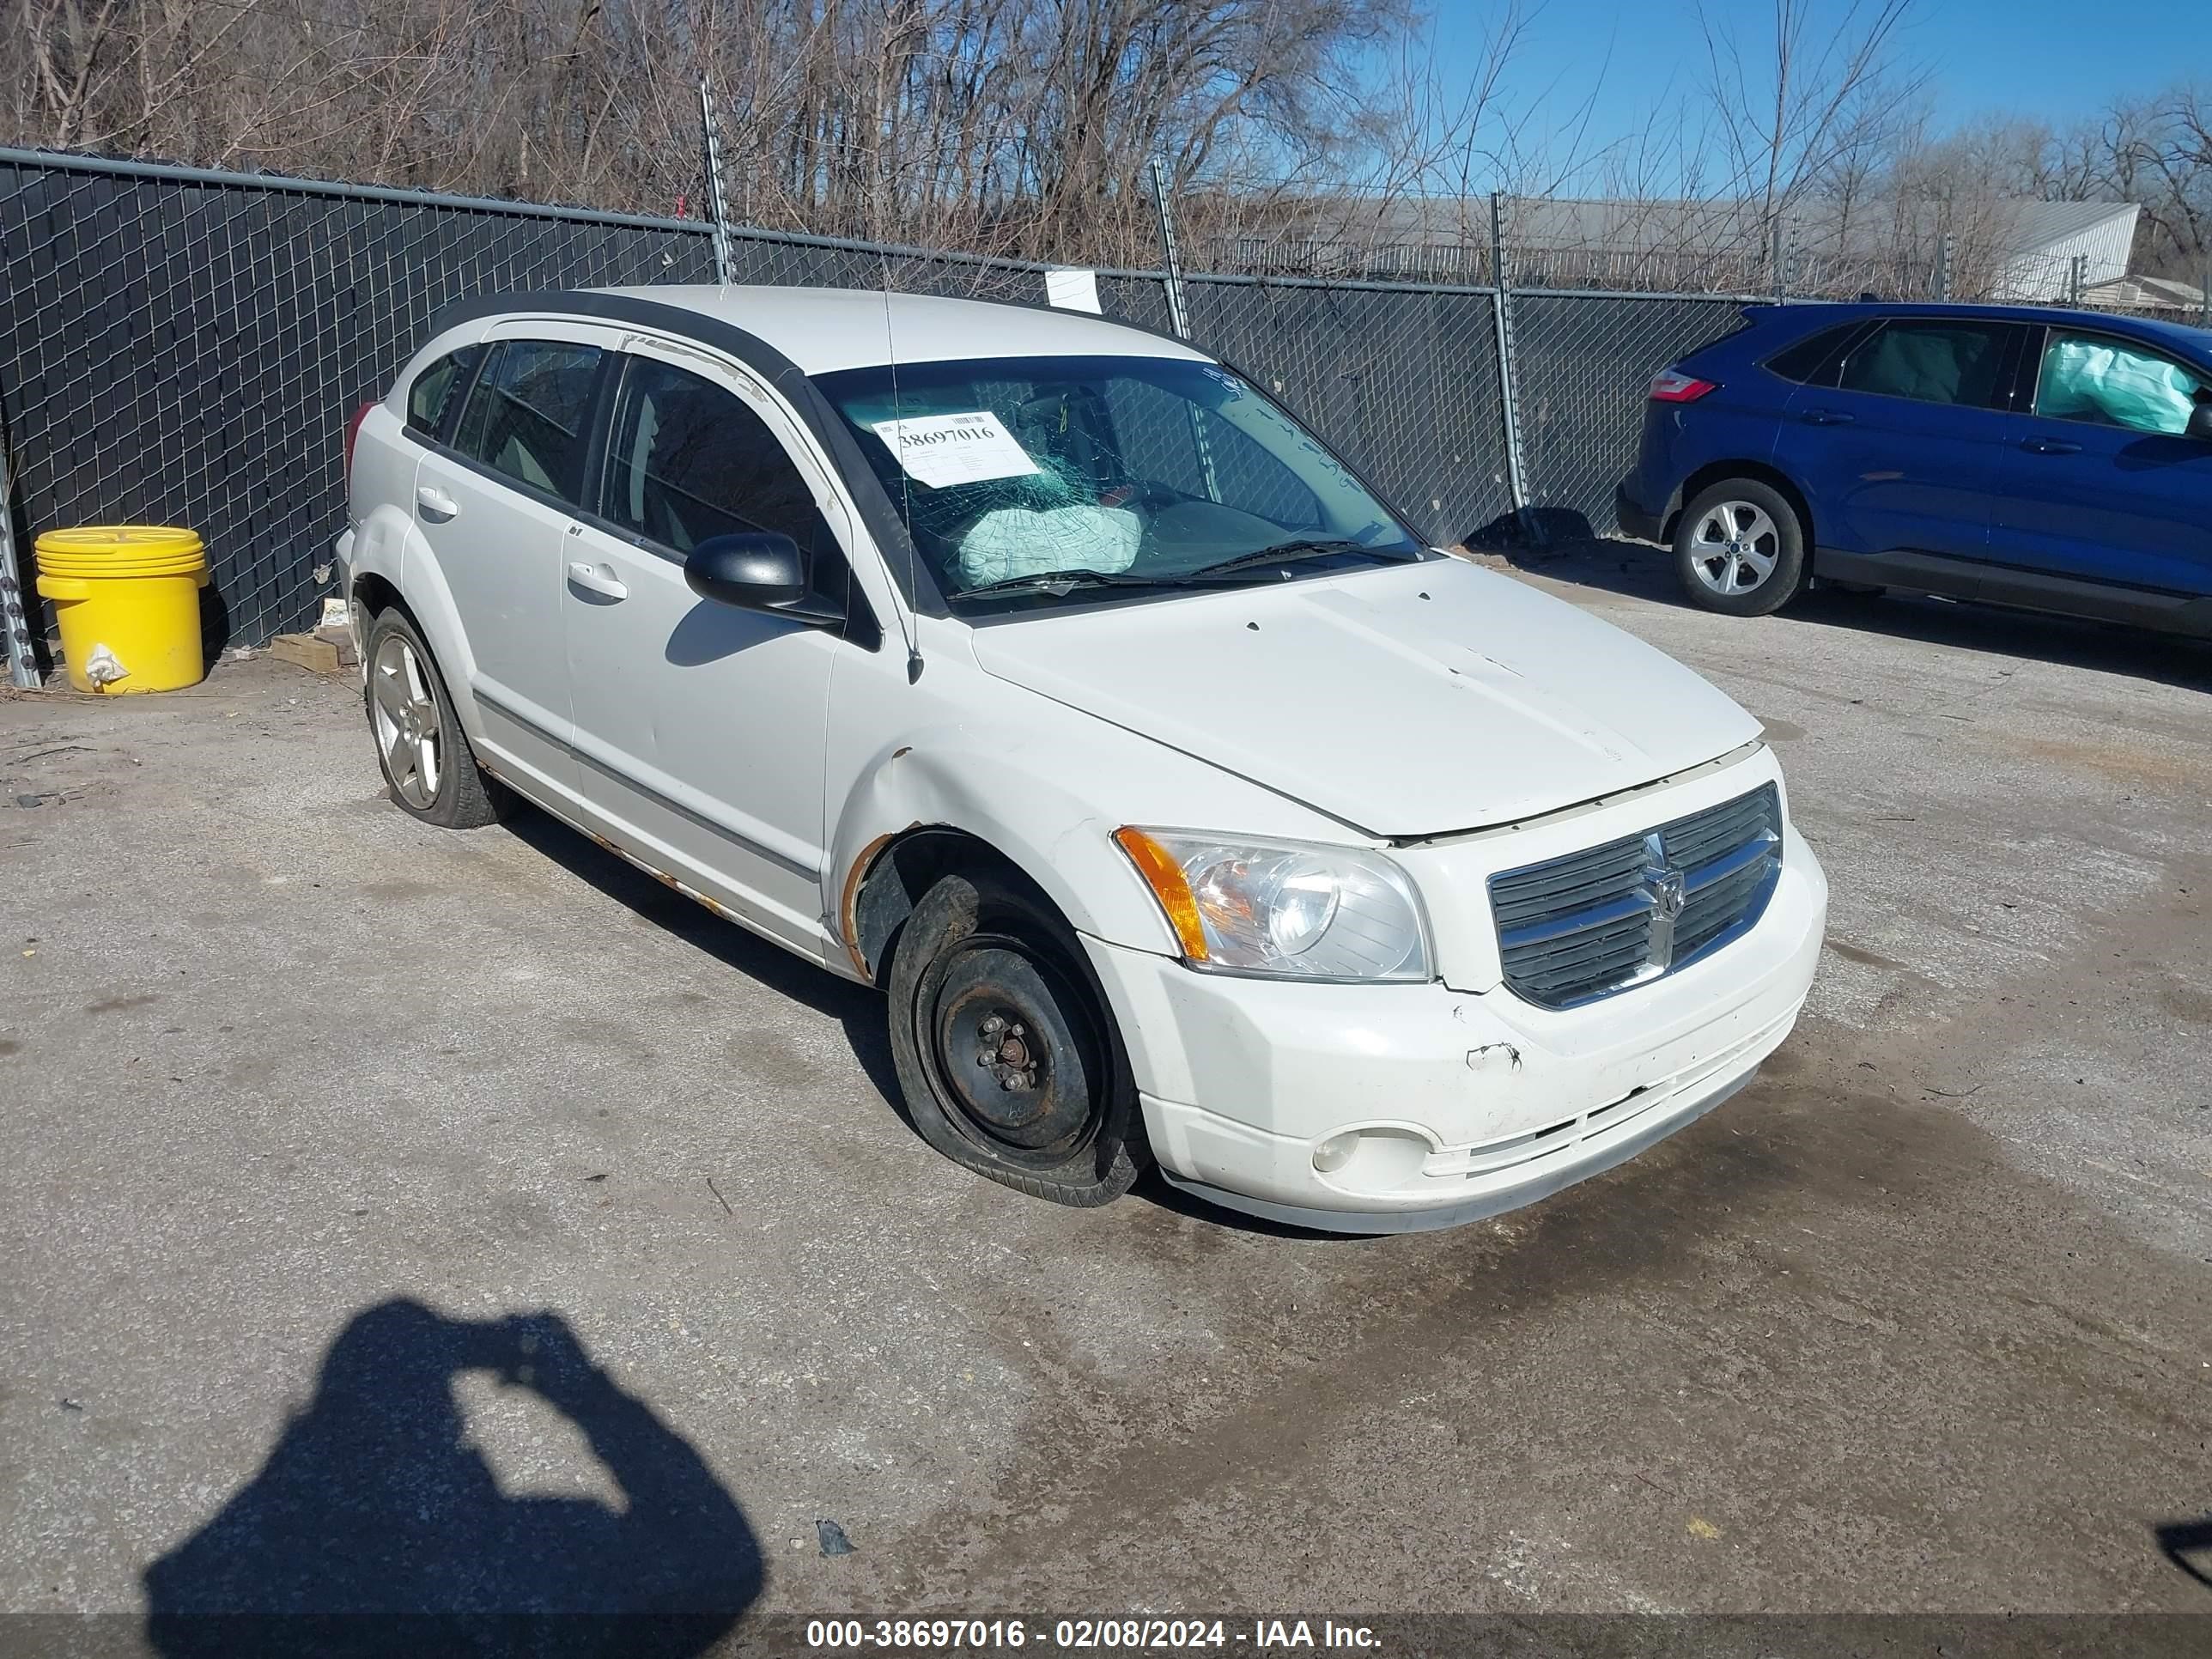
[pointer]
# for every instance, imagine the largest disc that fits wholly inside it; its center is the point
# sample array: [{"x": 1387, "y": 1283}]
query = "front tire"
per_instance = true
[
  {"x": 429, "y": 770},
  {"x": 1006, "y": 1051},
  {"x": 1740, "y": 549}
]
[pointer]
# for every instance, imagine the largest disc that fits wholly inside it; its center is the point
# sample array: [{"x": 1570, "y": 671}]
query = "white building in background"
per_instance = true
[{"x": 2035, "y": 245}]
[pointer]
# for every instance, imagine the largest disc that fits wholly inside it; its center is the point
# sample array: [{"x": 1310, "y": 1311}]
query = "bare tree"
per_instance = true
[
  {"x": 2156, "y": 151},
  {"x": 1017, "y": 124},
  {"x": 1819, "y": 92}
]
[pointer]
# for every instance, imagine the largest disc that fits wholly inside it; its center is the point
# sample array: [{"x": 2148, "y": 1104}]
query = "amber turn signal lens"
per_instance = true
[{"x": 1165, "y": 877}]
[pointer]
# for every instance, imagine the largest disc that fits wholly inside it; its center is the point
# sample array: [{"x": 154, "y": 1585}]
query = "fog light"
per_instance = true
[{"x": 1335, "y": 1152}]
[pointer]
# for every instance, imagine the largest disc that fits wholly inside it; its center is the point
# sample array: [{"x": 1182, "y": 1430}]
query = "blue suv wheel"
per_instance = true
[{"x": 1739, "y": 548}]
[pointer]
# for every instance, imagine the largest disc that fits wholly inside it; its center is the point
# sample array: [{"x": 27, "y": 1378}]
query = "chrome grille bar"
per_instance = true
[{"x": 1573, "y": 929}]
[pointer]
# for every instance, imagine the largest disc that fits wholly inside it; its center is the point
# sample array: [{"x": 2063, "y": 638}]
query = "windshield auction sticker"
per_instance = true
[{"x": 955, "y": 449}]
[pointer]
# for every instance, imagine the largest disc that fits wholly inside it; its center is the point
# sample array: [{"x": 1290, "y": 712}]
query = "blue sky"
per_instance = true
[{"x": 2058, "y": 59}]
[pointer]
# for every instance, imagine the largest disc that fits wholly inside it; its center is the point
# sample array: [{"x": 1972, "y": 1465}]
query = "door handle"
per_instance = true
[
  {"x": 597, "y": 579},
  {"x": 1829, "y": 418},
  {"x": 2050, "y": 447},
  {"x": 436, "y": 504}
]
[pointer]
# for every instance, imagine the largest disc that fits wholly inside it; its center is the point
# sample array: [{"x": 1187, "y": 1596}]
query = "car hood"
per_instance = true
[{"x": 1407, "y": 702}]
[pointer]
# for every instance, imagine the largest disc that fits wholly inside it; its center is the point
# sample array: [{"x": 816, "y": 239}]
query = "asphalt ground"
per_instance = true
[{"x": 386, "y": 1212}]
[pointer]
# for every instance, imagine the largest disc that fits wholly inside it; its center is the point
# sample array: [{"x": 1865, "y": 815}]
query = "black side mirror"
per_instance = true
[
  {"x": 756, "y": 571},
  {"x": 2200, "y": 420}
]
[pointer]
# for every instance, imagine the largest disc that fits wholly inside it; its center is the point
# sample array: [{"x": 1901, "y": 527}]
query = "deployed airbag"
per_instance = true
[
  {"x": 1018, "y": 541},
  {"x": 2087, "y": 380}
]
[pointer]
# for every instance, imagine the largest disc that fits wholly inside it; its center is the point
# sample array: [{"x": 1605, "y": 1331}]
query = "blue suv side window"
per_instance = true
[
  {"x": 2111, "y": 382},
  {"x": 1932, "y": 363}
]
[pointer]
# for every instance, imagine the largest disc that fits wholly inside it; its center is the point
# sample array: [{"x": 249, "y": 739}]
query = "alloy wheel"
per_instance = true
[
  {"x": 1734, "y": 547},
  {"x": 409, "y": 734}
]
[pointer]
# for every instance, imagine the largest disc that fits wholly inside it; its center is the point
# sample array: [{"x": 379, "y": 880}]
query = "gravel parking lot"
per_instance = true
[{"x": 299, "y": 1102}]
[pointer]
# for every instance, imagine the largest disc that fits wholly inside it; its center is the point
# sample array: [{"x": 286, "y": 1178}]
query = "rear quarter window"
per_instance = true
[
  {"x": 1813, "y": 360},
  {"x": 431, "y": 394}
]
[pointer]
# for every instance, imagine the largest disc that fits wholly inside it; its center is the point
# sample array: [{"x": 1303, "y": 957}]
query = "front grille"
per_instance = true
[{"x": 1577, "y": 928}]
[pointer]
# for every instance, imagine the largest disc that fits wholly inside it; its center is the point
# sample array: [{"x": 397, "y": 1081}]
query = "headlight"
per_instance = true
[{"x": 1284, "y": 908}]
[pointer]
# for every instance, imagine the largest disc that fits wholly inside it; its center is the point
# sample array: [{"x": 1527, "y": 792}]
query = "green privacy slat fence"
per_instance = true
[{"x": 184, "y": 346}]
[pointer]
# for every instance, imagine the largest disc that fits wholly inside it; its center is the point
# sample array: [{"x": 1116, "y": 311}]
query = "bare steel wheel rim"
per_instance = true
[
  {"x": 408, "y": 734},
  {"x": 1016, "y": 1067},
  {"x": 1734, "y": 546}
]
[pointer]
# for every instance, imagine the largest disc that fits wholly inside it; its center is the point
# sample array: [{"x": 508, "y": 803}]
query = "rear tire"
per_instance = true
[
  {"x": 1005, "y": 1050},
  {"x": 1740, "y": 549},
  {"x": 429, "y": 770}
]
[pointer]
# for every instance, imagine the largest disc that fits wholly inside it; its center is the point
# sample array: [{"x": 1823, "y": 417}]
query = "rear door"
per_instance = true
[
  {"x": 1903, "y": 447},
  {"x": 2104, "y": 485},
  {"x": 494, "y": 503}
]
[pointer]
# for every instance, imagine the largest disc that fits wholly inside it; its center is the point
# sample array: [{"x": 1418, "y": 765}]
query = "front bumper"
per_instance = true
[
  {"x": 1464, "y": 1105},
  {"x": 1634, "y": 517}
]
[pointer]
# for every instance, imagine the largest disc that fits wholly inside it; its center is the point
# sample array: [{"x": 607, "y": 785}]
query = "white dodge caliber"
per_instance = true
[{"x": 1048, "y": 675}]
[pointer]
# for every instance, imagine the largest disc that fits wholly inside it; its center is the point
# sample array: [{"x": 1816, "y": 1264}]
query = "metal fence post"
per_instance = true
[
  {"x": 1942, "y": 267},
  {"x": 1170, "y": 253},
  {"x": 15, "y": 621},
  {"x": 2076, "y": 268},
  {"x": 2204, "y": 298},
  {"x": 1777, "y": 229},
  {"x": 1501, "y": 312},
  {"x": 1179, "y": 318},
  {"x": 711, "y": 158}
]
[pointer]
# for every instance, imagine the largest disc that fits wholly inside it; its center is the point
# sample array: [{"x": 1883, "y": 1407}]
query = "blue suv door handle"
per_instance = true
[
  {"x": 1829, "y": 418},
  {"x": 2050, "y": 447}
]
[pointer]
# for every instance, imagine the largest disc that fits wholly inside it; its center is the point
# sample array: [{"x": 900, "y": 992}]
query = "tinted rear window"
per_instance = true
[
  {"x": 525, "y": 415},
  {"x": 1930, "y": 361},
  {"x": 1805, "y": 361}
]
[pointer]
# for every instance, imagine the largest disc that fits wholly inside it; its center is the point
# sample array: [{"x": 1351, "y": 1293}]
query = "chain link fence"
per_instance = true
[
  {"x": 1581, "y": 364},
  {"x": 181, "y": 346},
  {"x": 178, "y": 346},
  {"x": 1404, "y": 380}
]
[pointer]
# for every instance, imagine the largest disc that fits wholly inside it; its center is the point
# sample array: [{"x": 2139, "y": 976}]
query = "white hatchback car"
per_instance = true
[{"x": 1047, "y": 673}]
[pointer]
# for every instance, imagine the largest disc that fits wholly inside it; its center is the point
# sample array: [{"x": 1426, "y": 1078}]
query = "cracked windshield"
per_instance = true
[{"x": 1038, "y": 478}]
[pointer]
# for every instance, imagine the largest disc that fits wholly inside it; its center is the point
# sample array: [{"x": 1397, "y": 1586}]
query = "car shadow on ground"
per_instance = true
[
  {"x": 1640, "y": 570},
  {"x": 1157, "y": 1190},
  {"x": 376, "y": 1527},
  {"x": 857, "y": 1008}
]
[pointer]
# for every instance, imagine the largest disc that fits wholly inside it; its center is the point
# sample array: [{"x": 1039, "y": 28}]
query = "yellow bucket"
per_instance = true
[{"x": 128, "y": 601}]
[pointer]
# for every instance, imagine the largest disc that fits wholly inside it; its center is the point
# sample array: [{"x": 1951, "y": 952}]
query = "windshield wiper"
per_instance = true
[
  {"x": 1057, "y": 582},
  {"x": 1303, "y": 548},
  {"x": 1061, "y": 581}
]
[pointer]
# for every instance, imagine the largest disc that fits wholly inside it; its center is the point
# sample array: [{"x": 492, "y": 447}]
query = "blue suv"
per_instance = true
[{"x": 2059, "y": 460}]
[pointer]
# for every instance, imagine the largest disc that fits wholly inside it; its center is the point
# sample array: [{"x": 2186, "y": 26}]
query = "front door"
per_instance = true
[
  {"x": 700, "y": 728},
  {"x": 1906, "y": 451},
  {"x": 2104, "y": 483}
]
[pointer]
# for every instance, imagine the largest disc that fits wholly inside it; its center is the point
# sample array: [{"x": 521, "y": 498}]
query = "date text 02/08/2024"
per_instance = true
[{"x": 1085, "y": 1634}]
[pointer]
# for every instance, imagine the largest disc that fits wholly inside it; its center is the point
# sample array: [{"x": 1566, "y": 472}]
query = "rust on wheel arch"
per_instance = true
[{"x": 848, "y": 907}]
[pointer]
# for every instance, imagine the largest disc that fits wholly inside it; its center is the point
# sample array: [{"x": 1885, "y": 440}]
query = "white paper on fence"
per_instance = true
[
  {"x": 1015, "y": 541},
  {"x": 1073, "y": 291},
  {"x": 955, "y": 449}
]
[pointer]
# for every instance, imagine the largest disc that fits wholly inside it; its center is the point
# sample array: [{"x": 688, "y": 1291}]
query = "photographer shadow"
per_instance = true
[{"x": 376, "y": 1528}]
